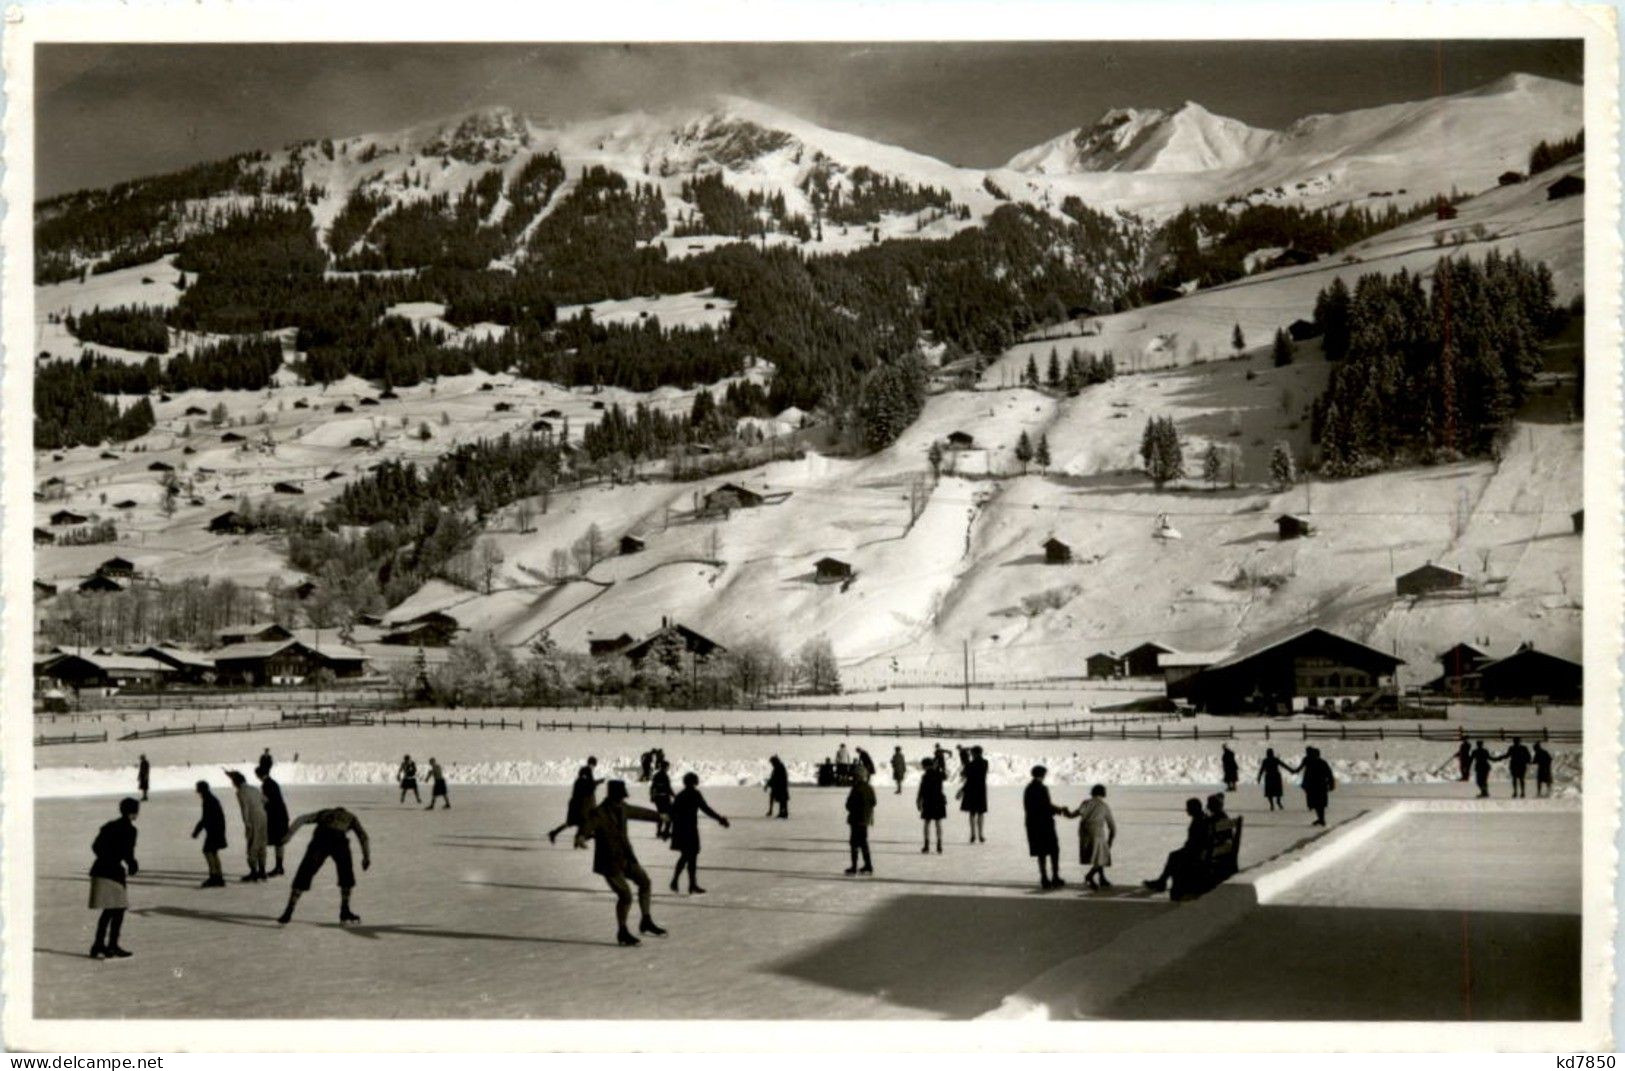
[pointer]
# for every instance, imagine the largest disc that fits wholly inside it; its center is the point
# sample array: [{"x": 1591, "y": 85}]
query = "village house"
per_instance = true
[
  {"x": 1528, "y": 675},
  {"x": 728, "y": 497},
  {"x": 696, "y": 645},
  {"x": 275, "y": 663},
  {"x": 101, "y": 583},
  {"x": 631, "y": 544},
  {"x": 1567, "y": 186},
  {"x": 832, "y": 571},
  {"x": 1103, "y": 665},
  {"x": 605, "y": 648},
  {"x": 1425, "y": 579},
  {"x": 188, "y": 666},
  {"x": 99, "y": 671},
  {"x": 228, "y": 523},
  {"x": 433, "y": 629},
  {"x": 259, "y": 631},
  {"x": 117, "y": 568},
  {"x": 1056, "y": 552},
  {"x": 43, "y": 536},
  {"x": 65, "y": 517},
  {"x": 1311, "y": 668},
  {"x": 1145, "y": 660},
  {"x": 1289, "y": 526}
]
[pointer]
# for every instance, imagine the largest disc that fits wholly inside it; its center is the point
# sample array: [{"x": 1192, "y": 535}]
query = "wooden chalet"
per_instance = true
[
  {"x": 1308, "y": 668},
  {"x": 698, "y": 646},
  {"x": 283, "y": 487},
  {"x": 117, "y": 568},
  {"x": 433, "y": 629},
  {"x": 832, "y": 571},
  {"x": 605, "y": 648},
  {"x": 188, "y": 666},
  {"x": 100, "y": 671},
  {"x": 228, "y": 523},
  {"x": 274, "y": 663},
  {"x": 65, "y": 517},
  {"x": 631, "y": 544},
  {"x": 1567, "y": 186},
  {"x": 1103, "y": 665},
  {"x": 730, "y": 496},
  {"x": 1056, "y": 552},
  {"x": 1529, "y": 675},
  {"x": 1143, "y": 661},
  {"x": 1291, "y": 526},
  {"x": 43, "y": 536},
  {"x": 1428, "y": 578},
  {"x": 98, "y": 583}
]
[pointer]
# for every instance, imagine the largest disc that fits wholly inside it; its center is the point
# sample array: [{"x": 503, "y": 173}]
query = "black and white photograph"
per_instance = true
[{"x": 1054, "y": 533}]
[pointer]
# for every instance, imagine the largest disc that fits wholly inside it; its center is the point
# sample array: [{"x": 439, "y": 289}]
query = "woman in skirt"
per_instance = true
[
  {"x": 1269, "y": 772},
  {"x": 114, "y": 848},
  {"x": 1097, "y": 831},
  {"x": 932, "y": 801},
  {"x": 684, "y": 820},
  {"x": 973, "y": 793}
]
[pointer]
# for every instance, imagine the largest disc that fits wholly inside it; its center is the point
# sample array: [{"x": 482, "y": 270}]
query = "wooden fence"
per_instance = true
[{"x": 71, "y": 738}]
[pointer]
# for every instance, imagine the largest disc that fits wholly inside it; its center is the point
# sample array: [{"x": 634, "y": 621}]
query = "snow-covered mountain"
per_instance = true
[{"x": 1149, "y": 140}]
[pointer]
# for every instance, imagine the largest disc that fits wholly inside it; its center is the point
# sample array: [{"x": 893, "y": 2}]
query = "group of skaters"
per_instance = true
[
  {"x": 1476, "y": 762},
  {"x": 407, "y": 777},
  {"x": 266, "y": 826}
]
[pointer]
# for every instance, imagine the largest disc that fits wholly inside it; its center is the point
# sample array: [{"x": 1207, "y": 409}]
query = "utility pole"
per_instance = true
[{"x": 967, "y": 673}]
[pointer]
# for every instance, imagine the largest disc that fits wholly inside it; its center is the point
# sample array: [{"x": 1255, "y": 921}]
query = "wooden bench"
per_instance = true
[{"x": 1219, "y": 861}]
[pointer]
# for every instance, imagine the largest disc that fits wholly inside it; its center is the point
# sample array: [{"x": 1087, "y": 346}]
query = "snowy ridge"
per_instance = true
[{"x": 1149, "y": 140}]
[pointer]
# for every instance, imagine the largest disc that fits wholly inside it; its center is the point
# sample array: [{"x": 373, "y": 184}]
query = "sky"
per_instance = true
[{"x": 111, "y": 112}]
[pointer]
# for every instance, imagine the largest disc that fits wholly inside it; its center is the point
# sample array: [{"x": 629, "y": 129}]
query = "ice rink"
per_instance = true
[{"x": 472, "y": 912}]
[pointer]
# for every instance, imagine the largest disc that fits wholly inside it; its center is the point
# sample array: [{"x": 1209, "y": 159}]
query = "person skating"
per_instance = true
[
  {"x": 583, "y": 798},
  {"x": 265, "y": 762},
  {"x": 842, "y": 756},
  {"x": 330, "y": 839},
  {"x": 685, "y": 830},
  {"x": 212, "y": 825},
  {"x": 867, "y": 761},
  {"x": 143, "y": 777},
  {"x": 973, "y": 793},
  {"x": 1518, "y": 757},
  {"x": 114, "y": 849},
  {"x": 778, "y": 788},
  {"x": 1196, "y": 838},
  {"x": 932, "y": 802},
  {"x": 660, "y": 795},
  {"x": 899, "y": 768},
  {"x": 1543, "y": 772},
  {"x": 255, "y": 824},
  {"x": 1317, "y": 782},
  {"x": 437, "y": 785},
  {"x": 1231, "y": 769},
  {"x": 1097, "y": 832},
  {"x": 1464, "y": 758},
  {"x": 939, "y": 755},
  {"x": 1269, "y": 772},
  {"x": 1038, "y": 812},
  {"x": 860, "y": 815},
  {"x": 1482, "y": 761},
  {"x": 276, "y": 817},
  {"x": 407, "y": 775},
  {"x": 614, "y": 860}
]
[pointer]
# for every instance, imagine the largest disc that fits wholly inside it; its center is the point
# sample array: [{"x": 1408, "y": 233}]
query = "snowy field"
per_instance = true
[{"x": 471, "y": 912}]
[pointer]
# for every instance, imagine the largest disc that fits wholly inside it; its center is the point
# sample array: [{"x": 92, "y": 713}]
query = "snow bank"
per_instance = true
[{"x": 1068, "y": 770}]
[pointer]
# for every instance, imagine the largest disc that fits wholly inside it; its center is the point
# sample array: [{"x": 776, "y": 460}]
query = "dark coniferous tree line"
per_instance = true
[
  {"x": 128, "y": 327},
  {"x": 1548, "y": 155}
]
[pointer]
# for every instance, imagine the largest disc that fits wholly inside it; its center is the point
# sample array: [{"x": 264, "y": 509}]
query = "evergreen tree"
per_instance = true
[
  {"x": 1282, "y": 469},
  {"x": 1053, "y": 373},
  {"x": 1030, "y": 377},
  {"x": 1281, "y": 350},
  {"x": 1024, "y": 451},
  {"x": 1041, "y": 454},
  {"x": 1159, "y": 447},
  {"x": 1238, "y": 341}
]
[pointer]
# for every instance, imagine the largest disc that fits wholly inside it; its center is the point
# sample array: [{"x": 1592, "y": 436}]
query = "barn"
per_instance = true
[
  {"x": 730, "y": 496},
  {"x": 1567, "y": 186},
  {"x": 1428, "y": 578},
  {"x": 228, "y": 523},
  {"x": 433, "y": 629},
  {"x": 701, "y": 647},
  {"x": 1510, "y": 178},
  {"x": 1145, "y": 660},
  {"x": 285, "y": 662},
  {"x": 67, "y": 516},
  {"x": 1103, "y": 665},
  {"x": 832, "y": 570},
  {"x": 605, "y": 648},
  {"x": 100, "y": 582},
  {"x": 43, "y": 535},
  {"x": 43, "y": 590},
  {"x": 631, "y": 544},
  {"x": 1303, "y": 330},
  {"x": 1056, "y": 552},
  {"x": 1528, "y": 675},
  {"x": 254, "y": 632},
  {"x": 102, "y": 671},
  {"x": 961, "y": 440},
  {"x": 1309, "y": 668},
  {"x": 117, "y": 568},
  {"x": 188, "y": 666},
  {"x": 283, "y": 487},
  {"x": 1291, "y": 526}
]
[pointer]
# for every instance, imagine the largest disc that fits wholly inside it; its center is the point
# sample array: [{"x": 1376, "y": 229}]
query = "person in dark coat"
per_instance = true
[
  {"x": 266, "y": 762},
  {"x": 1464, "y": 758},
  {"x": 860, "y": 815},
  {"x": 143, "y": 777},
  {"x": 407, "y": 775},
  {"x": 329, "y": 840},
  {"x": 778, "y": 788},
  {"x": 1543, "y": 771},
  {"x": 583, "y": 798},
  {"x": 1187, "y": 854},
  {"x": 114, "y": 849},
  {"x": 899, "y": 768},
  {"x": 614, "y": 860},
  {"x": 1269, "y": 772},
  {"x": 867, "y": 761},
  {"x": 1231, "y": 769},
  {"x": 932, "y": 801},
  {"x": 973, "y": 793},
  {"x": 1518, "y": 767},
  {"x": 437, "y": 785},
  {"x": 1043, "y": 843},
  {"x": 212, "y": 825},
  {"x": 1317, "y": 783},
  {"x": 660, "y": 795},
  {"x": 276, "y": 816},
  {"x": 1482, "y": 761},
  {"x": 685, "y": 830}
]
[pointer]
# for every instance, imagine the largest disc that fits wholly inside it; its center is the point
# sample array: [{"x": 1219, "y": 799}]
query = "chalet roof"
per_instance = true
[
  {"x": 234, "y": 652},
  {"x": 114, "y": 662},
  {"x": 1526, "y": 652},
  {"x": 184, "y": 655},
  {"x": 1054, "y": 542},
  {"x": 1148, "y": 645},
  {"x": 1431, "y": 567},
  {"x": 1189, "y": 658},
  {"x": 1248, "y": 653}
]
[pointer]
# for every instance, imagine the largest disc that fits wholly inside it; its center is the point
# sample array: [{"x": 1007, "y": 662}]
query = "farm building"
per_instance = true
[
  {"x": 1177, "y": 665},
  {"x": 605, "y": 648},
  {"x": 189, "y": 666},
  {"x": 1459, "y": 676},
  {"x": 228, "y": 523},
  {"x": 195, "y": 410},
  {"x": 117, "y": 568},
  {"x": 730, "y": 496},
  {"x": 1311, "y": 667},
  {"x": 160, "y": 466},
  {"x": 1056, "y": 552},
  {"x": 961, "y": 440},
  {"x": 254, "y": 632},
  {"x": 231, "y": 437},
  {"x": 43, "y": 535},
  {"x": 832, "y": 570},
  {"x": 433, "y": 629},
  {"x": 1567, "y": 186},
  {"x": 98, "y": 671},
  {"x": 1292, "y": 258},
  {"x": 100, "y": 582},
  {"x": 1528, "y": 674},
  {"x": 631, "y": 544},
  {"x": 541, "y": 426},
  {"x": 43, "y": 590},
  {"x": 701, "y": 647},
  {"x": 67, "y": 516},
  {"x": 369, "y": 401},
  {"x": 1103, "y": 665},
  {"x": 1428, "y": 578},
  {"x": 128, "y": 503},
  {"x": 283, "y": 487},
  {"x": 1510, "y": 178},
  {"x": 552, "y": 414},
  {"x": 1290, "y": 526},
  {"x": 1303, "y": 330},
  {"x": 343, "y": 408},
  {"x": 1143, "y": 661},
  {"x": 284, "y": 662}
]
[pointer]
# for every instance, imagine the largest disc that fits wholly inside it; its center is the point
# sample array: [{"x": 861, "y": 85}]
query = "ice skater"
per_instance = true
[
  {"x": 1097, "y": 832},
  {"x": 867, "y": 761},
  {"x": 143, "y": 777},
  {"x": 437, "y": 785},
  {"x": 583, "y": 798},
  {"x": 1231, "y": 769},
  {"x": 1518, "y": 757},
  {"x": 330, "y": 839},
  {"x": 932, "y": 802},
  {"x": 114, "y": 849},
  {"x": 1038, "y": 812},
  {"x": 265, "y": 762},
  {"x": 842, "y": 756},
  {"x": 1482, "y": 761},
  {"x": 212, "y": 825},
  {"x": 1269, "y": 772},
  {"x": 407, "y": 775},
  {"x": 660, "y": 795},
  {"x": 899, "y": 768},
  {"x": 1464, "y": 759},
  {"x": 685, "y": 830},
  {"x": 1543, "y": 772},
  {"x": 973, "y": 793},
  {"x": 255, "y": 828},
  {"x": 276, "y": 816},
  {"x": 614, "y": 860},
  {"x": 778, "y": 788},
  {"x": 860, "y": 815},
  {"x": 1189, "y": 853},
  {"x": 1317, "y": 782}
]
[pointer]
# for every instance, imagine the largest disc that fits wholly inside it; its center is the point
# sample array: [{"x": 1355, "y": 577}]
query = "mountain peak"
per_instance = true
[{"x": 1187, "y": 139}]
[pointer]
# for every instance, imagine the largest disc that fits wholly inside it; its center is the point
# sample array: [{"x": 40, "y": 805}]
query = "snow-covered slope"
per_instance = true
[{"x": 1152, "y": 140}]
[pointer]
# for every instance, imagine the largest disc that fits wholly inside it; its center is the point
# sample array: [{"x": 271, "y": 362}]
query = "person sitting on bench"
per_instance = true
[{"x": 1190, "y": 853}]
